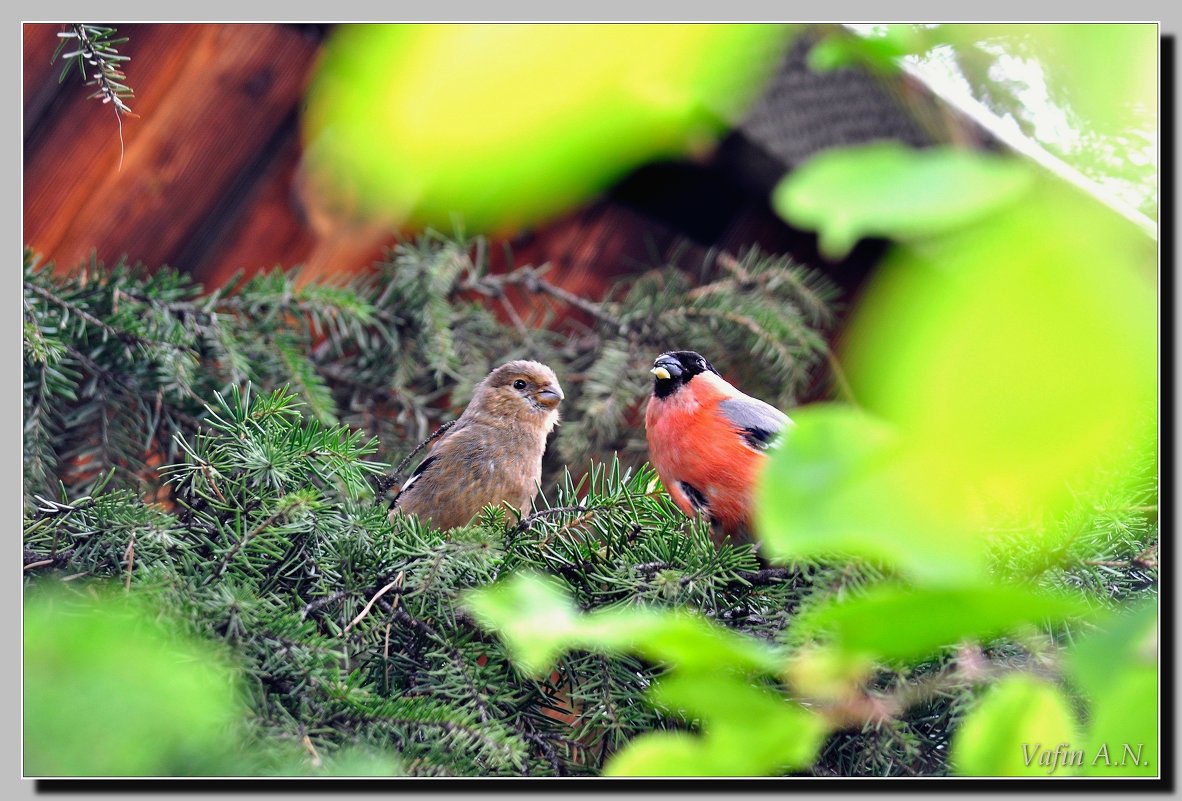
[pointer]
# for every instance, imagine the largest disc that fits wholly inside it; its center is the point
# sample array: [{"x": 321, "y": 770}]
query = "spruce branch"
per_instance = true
[
  {"x": 94, "y": 48},
  {"x": 272, "y": 518}
]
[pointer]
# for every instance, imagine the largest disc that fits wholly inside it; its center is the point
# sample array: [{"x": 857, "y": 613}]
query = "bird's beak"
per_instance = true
[
  {"x": 667, "y": 368},
  {"x": 549, "y": 396}
]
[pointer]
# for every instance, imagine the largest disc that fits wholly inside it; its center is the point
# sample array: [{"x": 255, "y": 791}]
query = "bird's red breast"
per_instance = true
[{"x": 701, "y": 455}]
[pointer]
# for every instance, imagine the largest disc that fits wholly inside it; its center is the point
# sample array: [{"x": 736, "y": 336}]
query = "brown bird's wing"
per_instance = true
[
  {"x": 416, "y": 475},
  {"x": 425, "y": 465},
  {"x": 758, "y": 422}
]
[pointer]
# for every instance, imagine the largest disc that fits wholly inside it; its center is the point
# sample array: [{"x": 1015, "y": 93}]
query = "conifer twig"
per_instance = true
[
  {"x": 322, "y": 602},
  {"x": 768, "y": 575},
  {"x": 96, "y": 48},
  {"x": 1144, "y": 559},
  {"x": 526, "y": 522},
  {"x": 221, "y": 568},
  {"x": 129, "y": 555},
  {"x": 396, "y": 583},
  {"x": 311, "y": 749}
]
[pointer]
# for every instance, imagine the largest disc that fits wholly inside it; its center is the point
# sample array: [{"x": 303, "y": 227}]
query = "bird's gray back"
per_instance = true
[{"x": 758, "y": 422}]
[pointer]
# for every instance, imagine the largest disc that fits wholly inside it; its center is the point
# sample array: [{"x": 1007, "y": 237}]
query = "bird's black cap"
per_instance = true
[{"x": 674, "y": 369}]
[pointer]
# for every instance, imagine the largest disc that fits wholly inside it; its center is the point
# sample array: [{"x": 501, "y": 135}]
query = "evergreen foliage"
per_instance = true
[
  {"x": 95, "y": 48},
  {"x": 216, "y": 454},
  {"x": 120, "y": 359}
]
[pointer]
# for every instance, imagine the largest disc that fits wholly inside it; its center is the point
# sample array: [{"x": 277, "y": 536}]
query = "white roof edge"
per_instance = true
[{"x": 983, "y": 116}]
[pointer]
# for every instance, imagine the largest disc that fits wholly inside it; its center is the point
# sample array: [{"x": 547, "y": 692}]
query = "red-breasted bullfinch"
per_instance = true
[
  {"x": 493, "y": 454},
  {"x": 707, "y": 441}
]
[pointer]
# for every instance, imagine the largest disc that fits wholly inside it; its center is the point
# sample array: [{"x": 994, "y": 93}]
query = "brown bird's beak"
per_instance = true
[{"x": 549, "y": 396}]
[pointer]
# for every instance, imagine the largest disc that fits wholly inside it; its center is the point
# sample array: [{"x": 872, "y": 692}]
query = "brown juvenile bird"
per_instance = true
[{"x": 492, "y": 454}]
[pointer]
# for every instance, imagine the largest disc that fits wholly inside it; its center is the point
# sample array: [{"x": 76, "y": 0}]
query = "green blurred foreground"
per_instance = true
[
  {"x": 509, "y": 125},
  {"x": 1004, "y": 366},
  {"x": 109, "y": 690}
]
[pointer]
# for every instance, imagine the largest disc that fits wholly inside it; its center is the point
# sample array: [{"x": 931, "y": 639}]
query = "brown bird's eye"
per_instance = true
[{"x": 519, "y": 384}]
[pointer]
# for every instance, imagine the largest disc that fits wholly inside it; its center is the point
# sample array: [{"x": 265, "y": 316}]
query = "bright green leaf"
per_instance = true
[
  {"x": 826, "y": 672},
  {"x": 709, "y": 680},
  {"x": 879, "y": 51},
  {"x": 145, "y": 702},
  {"x": 1023, "y": 726},
  {"x": 538, "y": 622},
  {"x": 1098, "y": 113},
  {"x": 1015, "y": 357},
  {"x": 1117, "y": 671},
  {"x": 533, "y": 615},
  {"x": 1123, "y": 639},
  {"x": 505, "y": 125},
  {"x": 787, "y": 737},
  {"x": 360, "y": 760},
  {"x": 1103, "y": 76},
  {"x": 887, "y": 189},
  {"x": 839, "y": 485},
  {"x": 665, "y": 754},
  {"x": 898, "y": 623},
  {"x": 693, "y": 643}
]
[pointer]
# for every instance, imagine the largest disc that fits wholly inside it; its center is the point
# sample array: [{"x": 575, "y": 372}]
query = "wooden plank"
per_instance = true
[
  {"x": 39, "y": 74},
  {"x": 235, "y": 88},
  {"x": 76, "y": 150},
  {"x": 588, "y": 250},
  {"x": 38, "y": 41},
  {"x": 268, "y": 229}
]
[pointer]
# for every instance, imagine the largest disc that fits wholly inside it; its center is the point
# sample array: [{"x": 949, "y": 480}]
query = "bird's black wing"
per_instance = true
[
  {"x": 415, "y": 476},
  {"x": 442, "y": 434},
  {"x": 758, "y": 422}
]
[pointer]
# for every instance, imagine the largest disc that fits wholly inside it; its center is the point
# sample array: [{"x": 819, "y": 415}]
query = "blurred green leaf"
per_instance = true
[
  {"x": 879, "y": 51},
  {"x": 1128, "y": 637},
  {"x": 1021, "y": 724},
  {"x": 888, "y": 189},
  {"x": 690, "y": 642},
  {"x": 110, "y": 691},
  {"x": 538, "y": 622},
  {"x": 531, "y": 614},
  {"x": 1085, "y": 92},
  {"x": 1015, "y": 357},
  {"x": 787, "y": 736},
  {"x": 358, "y": 760},
  {"x": 825, "y": 672},
  {"x": 1117, "y": 671},
  {"x": 505, "y": 125},
  {"x": 665, "y": 754},
  {"x": 898, "y": 623},
  {"x": 709, "y": 680},
  {"x": 838, "y": 485}
]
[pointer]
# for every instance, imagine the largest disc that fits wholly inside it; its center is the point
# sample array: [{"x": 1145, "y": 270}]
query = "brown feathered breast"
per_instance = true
[{"x": 493, "y": 454}]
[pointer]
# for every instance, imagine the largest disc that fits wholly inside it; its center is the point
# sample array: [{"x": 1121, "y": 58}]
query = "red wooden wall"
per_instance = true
[{"x": 208, "y": 182}]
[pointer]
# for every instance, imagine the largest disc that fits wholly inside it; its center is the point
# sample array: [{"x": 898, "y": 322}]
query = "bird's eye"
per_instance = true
[
  {"x": 519, "y": 384},
  {"x": 702, "y": 364}
]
